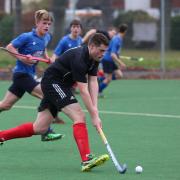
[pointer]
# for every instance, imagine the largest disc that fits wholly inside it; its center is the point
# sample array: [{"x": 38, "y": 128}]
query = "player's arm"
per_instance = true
[
  {"x": 54, "y": 57},
  {"x": 93, "y": 89},
  {"x": 46, "y": 56},
  {"x": 88, "y": 34},
  {"x": 90, "y": 105},
  {"x": 27, "y": 60},
  {"x": 58, "y": 50},
  {"x": 117, "y": 60}
]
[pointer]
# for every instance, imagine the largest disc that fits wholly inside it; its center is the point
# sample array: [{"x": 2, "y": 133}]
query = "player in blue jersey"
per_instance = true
[
  {"x": 32, "y": 43},
  {"x": 71, "y": 40},
  {"x": 111, "y": 61}
]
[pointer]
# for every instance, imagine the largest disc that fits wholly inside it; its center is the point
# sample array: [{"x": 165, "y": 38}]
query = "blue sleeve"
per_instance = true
[
  {"x": 116, "y": 45},
  {"x": 59, "y": 48},
  {"x": 80, "y": 40},
  {"x": 20, "y": 41}
]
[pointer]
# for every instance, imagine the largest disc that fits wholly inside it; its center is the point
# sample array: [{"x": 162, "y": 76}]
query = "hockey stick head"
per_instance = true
[
  {"x": 139, "y": 59},
  {"x": 122, "y": 169}
]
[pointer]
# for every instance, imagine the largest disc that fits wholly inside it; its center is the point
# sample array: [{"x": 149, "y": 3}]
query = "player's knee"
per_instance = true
[{"x": 80, "y": 118}]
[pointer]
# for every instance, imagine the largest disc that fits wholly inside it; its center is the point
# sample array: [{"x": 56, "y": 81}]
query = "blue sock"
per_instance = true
[
  {"x": 113, "y": 77},
  {"x": 49, "y": 130},
  {"x": 101, "y": 78},
  {"x": 102, "y": 86}
]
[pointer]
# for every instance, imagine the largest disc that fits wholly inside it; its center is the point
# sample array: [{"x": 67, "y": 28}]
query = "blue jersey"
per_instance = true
[
  {"x": 114, "y": 47},
  {"x": 67, "y": 43},
  {"x": 32, "y": 44}
]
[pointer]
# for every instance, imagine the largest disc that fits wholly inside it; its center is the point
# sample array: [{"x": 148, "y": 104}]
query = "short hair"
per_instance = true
[
  {"x": 122, "y": 28},
  {"x": 104, "y": 33},
  {"x": 43, "y": 15},
  {"x": 76, "y": 22},
  {"x": 98, "y": 39}
]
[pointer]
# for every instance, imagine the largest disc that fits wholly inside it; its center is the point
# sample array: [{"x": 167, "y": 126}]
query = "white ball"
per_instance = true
[{"x": 138, "y": 169}]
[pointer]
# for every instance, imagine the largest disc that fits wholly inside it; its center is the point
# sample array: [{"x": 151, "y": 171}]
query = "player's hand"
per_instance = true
[
  {"x": 51, "y": 60},
  {"x": 29, "y": 60},
  {"x": 122, "y": 65},
  {"x": 96, "y": 121}
]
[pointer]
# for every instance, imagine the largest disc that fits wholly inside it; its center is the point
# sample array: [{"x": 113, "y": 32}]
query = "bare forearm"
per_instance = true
[
  {"x": 117, "y": 60},
  {"x": 93, "y": 90},
  {"x": 92, "y": 109}
]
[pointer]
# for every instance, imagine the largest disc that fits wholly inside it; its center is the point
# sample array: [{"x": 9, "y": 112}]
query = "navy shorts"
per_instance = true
[
  {"x": 22, "y": 82},
  {"x": 56, "y": 96},
  {"x": 109, "y": 67}
]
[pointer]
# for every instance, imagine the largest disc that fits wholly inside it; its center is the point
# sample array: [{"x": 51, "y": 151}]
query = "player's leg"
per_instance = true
[
  {"x": 28, "y": 84},
  {"x": 13, "y": 94},
  {"x": 74, "y": 112},
  {"x": 50, "y": 135},
  {"x": 108, "y": 70},
  {"x": 8, "y": 101},
  {"x": 104, "y": 84},
  {"x": 37, "y": 92},
  {"x": 40, "y": 126}
]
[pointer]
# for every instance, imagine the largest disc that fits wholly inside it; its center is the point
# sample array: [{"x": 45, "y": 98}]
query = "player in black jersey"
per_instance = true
[{"x": 78, "y": 65}]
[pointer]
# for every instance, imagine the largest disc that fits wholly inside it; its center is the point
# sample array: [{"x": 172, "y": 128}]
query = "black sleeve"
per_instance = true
[
  {"x": 93, "y": 71},
  {"x": 78, "y": 72}
]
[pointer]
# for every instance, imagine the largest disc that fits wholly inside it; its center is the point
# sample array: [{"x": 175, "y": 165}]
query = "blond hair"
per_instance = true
[{"x": 42, "y": 14}]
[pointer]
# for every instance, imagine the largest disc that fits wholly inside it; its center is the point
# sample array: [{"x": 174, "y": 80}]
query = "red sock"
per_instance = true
[
  {"x": 81, "y": 136},
  {"x": 24, "y": 130}
]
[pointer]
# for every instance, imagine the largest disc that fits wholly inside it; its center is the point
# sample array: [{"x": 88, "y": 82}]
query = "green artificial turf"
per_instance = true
[{"x": 141, "y": 121}]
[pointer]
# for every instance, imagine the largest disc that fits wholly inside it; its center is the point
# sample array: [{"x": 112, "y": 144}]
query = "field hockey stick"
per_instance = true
[
  {"x": 121, "y": 168},
  {"x": 26, "y": 56},
  {"x": 139, "y": 59}
]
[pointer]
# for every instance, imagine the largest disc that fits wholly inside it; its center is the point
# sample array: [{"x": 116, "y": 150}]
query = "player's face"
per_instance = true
[
  {"x": 43, "y": 27},
  {"x": 75, "y": 30},
  {"x": 97, "y": 52}
]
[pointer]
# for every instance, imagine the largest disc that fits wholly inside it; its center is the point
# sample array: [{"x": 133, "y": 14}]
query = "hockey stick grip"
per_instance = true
[{"x": 103, "y": 137}]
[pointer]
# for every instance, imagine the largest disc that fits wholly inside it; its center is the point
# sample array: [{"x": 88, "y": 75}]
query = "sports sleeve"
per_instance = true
[
  {"x": 59, "y": 48},
  {"x": 94, "y": 69},
  {"x": 20, "y": 41},
  {"x": 116, "y": 45},
  {"x": 78, "y": 72}
]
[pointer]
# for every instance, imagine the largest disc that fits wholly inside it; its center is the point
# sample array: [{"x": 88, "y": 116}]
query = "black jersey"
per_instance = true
[{"x": 73, "y": 66}]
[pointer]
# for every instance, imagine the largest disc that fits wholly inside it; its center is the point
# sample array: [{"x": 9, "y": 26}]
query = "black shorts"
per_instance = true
[
  {"x": 22, "y": 82},
  {"x": 56, "y": 96},
  {"x": 109, "y": 67}
]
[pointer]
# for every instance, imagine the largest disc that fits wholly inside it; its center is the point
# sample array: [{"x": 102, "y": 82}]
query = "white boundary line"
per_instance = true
[{"x": 118, "y": 113}]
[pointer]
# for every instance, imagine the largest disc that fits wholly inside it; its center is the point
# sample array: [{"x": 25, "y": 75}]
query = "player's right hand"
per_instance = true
[
  {"x": 29, "y": 60},
  {"x": 96, "y": 121}
]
